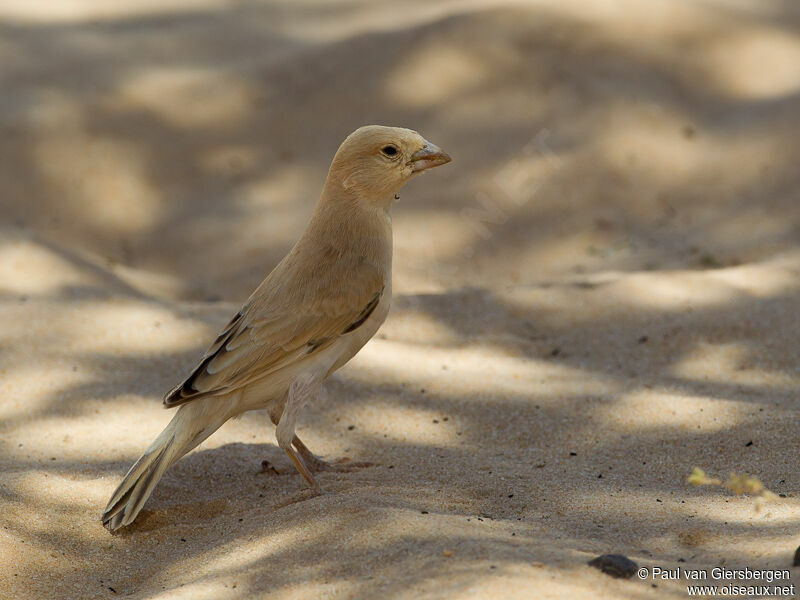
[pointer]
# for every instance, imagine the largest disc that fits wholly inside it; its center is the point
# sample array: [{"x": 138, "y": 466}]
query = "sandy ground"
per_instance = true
[{"x": 598, "y": 294}]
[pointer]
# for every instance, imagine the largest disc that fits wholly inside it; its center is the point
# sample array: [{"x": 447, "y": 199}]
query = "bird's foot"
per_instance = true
[
  {"x": 302, "y": 495},
  {"x": 340, "y": 465},
  {"x": 316, "y": 464}
]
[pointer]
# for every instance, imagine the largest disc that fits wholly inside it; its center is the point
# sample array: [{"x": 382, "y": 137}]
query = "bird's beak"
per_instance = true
[{"x": 430, "y": 156}]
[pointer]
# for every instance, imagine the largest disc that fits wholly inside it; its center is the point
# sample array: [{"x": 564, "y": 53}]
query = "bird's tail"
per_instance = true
[{"x": 191, "y": 425}]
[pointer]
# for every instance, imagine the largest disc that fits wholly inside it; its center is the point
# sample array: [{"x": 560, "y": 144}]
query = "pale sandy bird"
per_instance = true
[{"x": 312, "y": 314}]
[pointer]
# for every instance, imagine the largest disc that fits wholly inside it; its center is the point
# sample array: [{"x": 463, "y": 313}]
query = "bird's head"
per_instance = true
[{"x": 374, "y": 162}]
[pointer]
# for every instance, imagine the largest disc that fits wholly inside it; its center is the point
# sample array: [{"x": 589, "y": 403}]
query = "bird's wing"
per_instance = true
[{"x": 267, "y": 335}]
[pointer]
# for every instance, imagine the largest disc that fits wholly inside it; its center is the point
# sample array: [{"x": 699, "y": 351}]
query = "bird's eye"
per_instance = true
[{"x": 389, "y": 150}]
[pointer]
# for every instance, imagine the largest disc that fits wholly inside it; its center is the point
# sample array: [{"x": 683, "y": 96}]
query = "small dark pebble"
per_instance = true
[
  {"x": 422, "y": 391},
  {"x": 492, "y": 566},
  {"x": 555, "y": 351},
  {"x": 643, "y": 339},
  {"x": 240, "y": 520},
  {"x": 511, "y": 495},
  {"x": 391, "y": 467},
  {"x": 183, "y": 539},
  {"x": 351, "y": 427},
  {"x": 748, "y": 444},
  {"x": 658, "y": 499},
  {"x": 600, "y": 476},
  {"x": 616, "y": 565},
  {"x": 796, "y": 561},
  {"x": 682, "y": 560},
  {"x": 424, "y": 512},
  {"x": 113, "y": 591},
  {"x": 436, "y": 420},
  {"x": 782, "y": 495},
  {"x": 573, "y": 454},
  {"x": 445, "y": 418}
]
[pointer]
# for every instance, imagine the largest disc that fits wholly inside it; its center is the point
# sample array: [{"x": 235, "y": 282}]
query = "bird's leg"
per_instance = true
[
  {"x": 309, "y": 458},
  {"x": 316, "y": 464},
  {"x": 299, "y": 392}
]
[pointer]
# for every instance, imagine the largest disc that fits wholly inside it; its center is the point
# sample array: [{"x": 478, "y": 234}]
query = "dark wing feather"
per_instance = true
[
  {"x": 186, "y": 391},
  {"x": 365, "y": 313}
]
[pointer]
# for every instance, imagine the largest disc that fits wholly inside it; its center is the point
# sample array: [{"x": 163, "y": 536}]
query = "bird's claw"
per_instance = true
[
  {"x": 302, "y": 495},
  {"x": 345, "y": 465}
]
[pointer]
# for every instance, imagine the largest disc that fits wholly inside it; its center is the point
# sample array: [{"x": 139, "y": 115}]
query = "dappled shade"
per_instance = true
[{"x": 600, "y": 293}]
